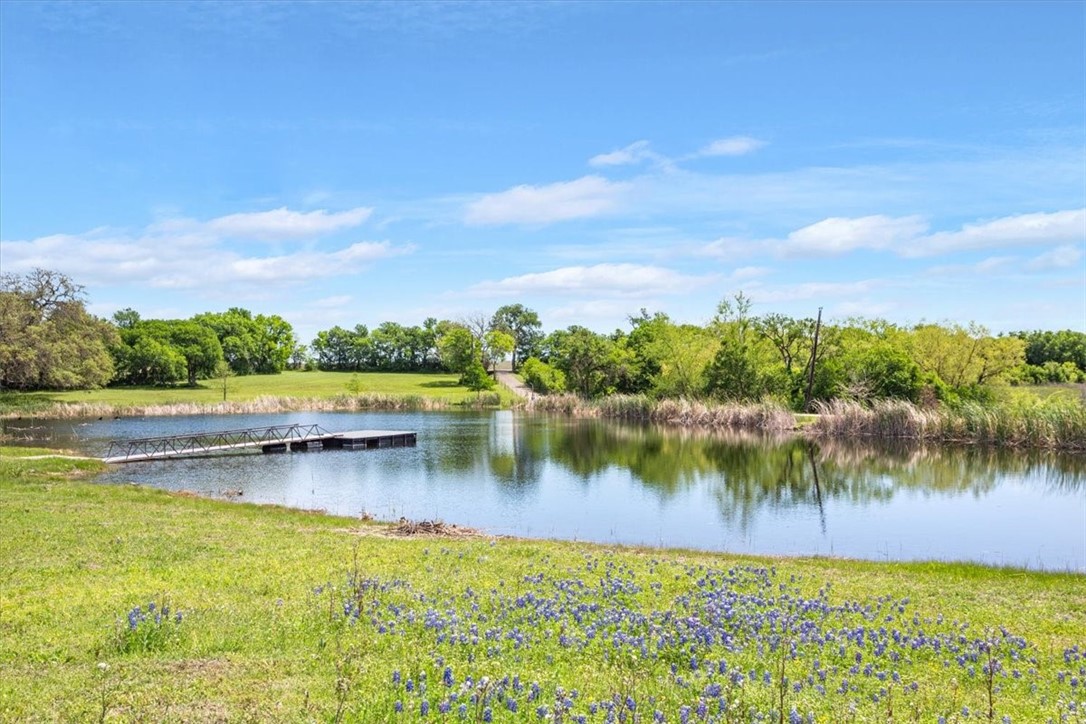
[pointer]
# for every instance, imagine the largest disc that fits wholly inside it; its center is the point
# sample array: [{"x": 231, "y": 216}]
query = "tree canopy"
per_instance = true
[
  {"x": 47, "y": 337},
  {"x": 49, "y": 340}
]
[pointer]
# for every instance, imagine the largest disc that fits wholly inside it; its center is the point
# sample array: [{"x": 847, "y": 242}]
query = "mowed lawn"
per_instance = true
[{"x": 317, "y": 385}]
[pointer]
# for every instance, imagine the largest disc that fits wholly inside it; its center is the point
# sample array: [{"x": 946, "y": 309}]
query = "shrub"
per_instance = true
[
  {"x": 541, "y": 377},
  {"x": 476, "y": 378}
]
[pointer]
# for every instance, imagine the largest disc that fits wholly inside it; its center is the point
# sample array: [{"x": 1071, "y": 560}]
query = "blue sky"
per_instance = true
[{"x": 355, "y": 163}]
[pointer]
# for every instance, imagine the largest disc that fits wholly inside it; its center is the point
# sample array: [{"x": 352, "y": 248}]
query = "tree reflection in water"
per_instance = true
[{"x": 749, "y": 473}]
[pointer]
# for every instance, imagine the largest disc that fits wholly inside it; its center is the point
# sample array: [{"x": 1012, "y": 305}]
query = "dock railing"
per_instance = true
[{"x": 151, "y": 448}]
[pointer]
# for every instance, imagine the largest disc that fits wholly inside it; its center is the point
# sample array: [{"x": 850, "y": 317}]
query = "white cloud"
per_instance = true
[
  {"x": 745, "y": 273},
  {"x": 612, "y": 279},
  {"x": 838, "y": 235},
  {"x": 1060, "y": 227},
  {"x": 1062, "y": 257},
  {"x": 582, "y": 198},
  {"x": 275, "y": 225},
  {"x": 993, "y": 264},
  {"x": 732, "y": 146},
  {"x": 908, "y": 236},
  {"x": 306, "y": 264},
  {"x": 731, "y": 247},
  {"x": 159, "y": 259},
  {"x": 636, "y": 152}
]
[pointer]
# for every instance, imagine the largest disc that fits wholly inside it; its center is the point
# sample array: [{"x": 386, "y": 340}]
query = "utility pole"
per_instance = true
[{"x": 811, "y": 367}]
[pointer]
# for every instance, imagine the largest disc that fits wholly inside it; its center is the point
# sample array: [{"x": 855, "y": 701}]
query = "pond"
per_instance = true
[{"x": 529, "y": 475}]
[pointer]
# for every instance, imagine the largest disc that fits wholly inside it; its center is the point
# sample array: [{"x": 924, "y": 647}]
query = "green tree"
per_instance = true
[
  {"x": 334, "y": 349},
  {"x": 223, "y": 374},
  {"x": 496, "y": 345},
  {"x": 476, "y": 378},
  {"x": 1064, "y": 345},
  {"x": 740, "y": 368},
  {"x": 198, "y": 345},
  {"x": 585, "y": 358},
  {"x": 964, "y": 357},
  {"x": 143, "y": 359},
  {"x": 275, "y": 343},
  {"x": 252, "y": 345},
  {"x": 733, "y": 375},
  {"x": 459, "y": 349},
  {"x": 524, "y": 326},
  {"x": 150, "y": 351},
  {"x": 874, "y": 363},
  {"x": 541, "y": 377},
  {"x": 48, "y": 340},
  {"x": 126, "y": 318}
]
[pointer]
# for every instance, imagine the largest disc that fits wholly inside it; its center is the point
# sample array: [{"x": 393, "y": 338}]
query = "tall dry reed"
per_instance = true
[
  {"x": 688, "y": 413},
  {"x": 1053, "y": 424},
  {"x": 259, "y": 405}
]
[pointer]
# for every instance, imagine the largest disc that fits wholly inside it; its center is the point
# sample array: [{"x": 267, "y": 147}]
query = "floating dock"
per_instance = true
[
  {"x": 276, "y": 439},
  {"x": 354, "y": 440}
]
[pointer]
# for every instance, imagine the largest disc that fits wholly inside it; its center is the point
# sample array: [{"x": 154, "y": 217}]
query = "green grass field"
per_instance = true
[
  {"x": 441, "y": 388},
  {"x": 295, "y": 616}
]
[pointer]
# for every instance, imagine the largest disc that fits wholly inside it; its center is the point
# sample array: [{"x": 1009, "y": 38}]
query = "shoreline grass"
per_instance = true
[
  {"x": 288, "y": 616},
  {"x": 1053, "y": 422},
  {"x": 768, "y": 417}
]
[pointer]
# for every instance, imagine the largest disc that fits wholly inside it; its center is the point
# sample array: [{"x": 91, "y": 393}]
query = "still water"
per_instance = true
[{"x": 530, "y": 475}]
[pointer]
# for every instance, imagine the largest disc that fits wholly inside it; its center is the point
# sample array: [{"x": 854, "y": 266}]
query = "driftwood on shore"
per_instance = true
[{"x": 407, "y": 528}]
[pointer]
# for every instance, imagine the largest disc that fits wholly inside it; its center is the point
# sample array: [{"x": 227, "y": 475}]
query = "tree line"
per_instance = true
[
  {"x": 48, "y": 340},
  {"x": 740, "y": 356}
]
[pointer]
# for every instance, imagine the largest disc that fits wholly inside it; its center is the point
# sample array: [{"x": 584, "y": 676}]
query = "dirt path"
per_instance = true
[{"x": 513, "y": 382}]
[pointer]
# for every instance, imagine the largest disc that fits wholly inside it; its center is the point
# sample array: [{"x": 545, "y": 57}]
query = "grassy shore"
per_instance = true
[
  {"x": 282, "y": 615},
  {"x": 261, "y": 393},
  {"x": 1024, "y": 419}
]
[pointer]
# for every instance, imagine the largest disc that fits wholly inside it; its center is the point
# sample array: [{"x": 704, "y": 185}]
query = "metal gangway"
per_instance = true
[{"x": 200, "y": 443}]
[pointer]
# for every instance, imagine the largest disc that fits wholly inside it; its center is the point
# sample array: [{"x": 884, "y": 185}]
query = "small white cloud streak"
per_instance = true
[
  {"x": 606, "y": 279},
  {"x": 1059, "y": 227},
  {"x": 308, "y": 264},
  {"x": 155, "y": 260},
  {"x": 839, "y": 235},
  {"x": 731, "y": 247},
  {"x": 1062, "y": 257},
  {"x": 908, "y": 236},
  {"x": 276, "y": 225},
  {"x": 586, "y": 197},
  {"x": 745, "y": 273},
  {"x": 636, "y": 152},
  {"x": 732, "y": 146},
  {"x": 991, "y": 265}
]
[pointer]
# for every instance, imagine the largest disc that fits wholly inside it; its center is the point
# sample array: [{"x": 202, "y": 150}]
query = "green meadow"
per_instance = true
[
  {"x": 271, "y": 614},
  {"x": 408, "y": 388}
]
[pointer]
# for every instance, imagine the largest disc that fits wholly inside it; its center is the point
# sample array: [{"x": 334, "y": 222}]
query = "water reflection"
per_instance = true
[
  {"x": 748, "y": 473},
  {"x": 537, "y": 475}
]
